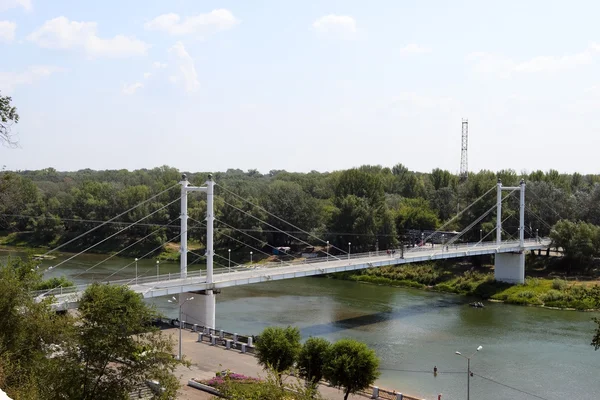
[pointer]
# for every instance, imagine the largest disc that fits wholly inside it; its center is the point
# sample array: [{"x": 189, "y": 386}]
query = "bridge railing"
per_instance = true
[{"x": 144, "y": 280}]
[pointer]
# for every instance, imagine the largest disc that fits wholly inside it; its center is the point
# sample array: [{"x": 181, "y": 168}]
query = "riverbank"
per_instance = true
[{"x": 543, "y": 287}]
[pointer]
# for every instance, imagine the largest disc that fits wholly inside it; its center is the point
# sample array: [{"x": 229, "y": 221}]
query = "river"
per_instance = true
[{"x": 539, "y": 351}]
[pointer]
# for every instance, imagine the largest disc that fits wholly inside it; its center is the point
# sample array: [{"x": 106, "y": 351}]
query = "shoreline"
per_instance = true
[{"x": 433, "y": 289}]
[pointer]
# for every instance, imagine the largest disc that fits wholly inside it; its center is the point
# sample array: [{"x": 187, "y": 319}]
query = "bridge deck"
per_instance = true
[{"x": 241, "y": 275}]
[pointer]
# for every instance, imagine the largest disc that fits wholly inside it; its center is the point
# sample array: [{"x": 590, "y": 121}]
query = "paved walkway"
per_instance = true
[{"x": 207, "y": 360}]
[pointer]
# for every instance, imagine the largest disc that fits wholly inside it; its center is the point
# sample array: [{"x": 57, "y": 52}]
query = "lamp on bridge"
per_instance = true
[
  {"x": 250, "y": 258},
  {"x": 468, "y": 368},
  {"x": 327, "y": 250},
  {"x": 157, "y": 262},
  {"x": 136, "y": 260},
  {"x": 349, "y": 250},
  {"x": 229, "y": 252},
  {"x": 180, "y": 322},
  {"x": 480, "y": 235}
]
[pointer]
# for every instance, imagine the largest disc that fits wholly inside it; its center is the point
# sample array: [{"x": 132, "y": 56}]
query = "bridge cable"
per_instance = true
[
  {"x": 290, "y": 235},
  {"x": 239, "y": 241},
  {"x": 112, "y": 219},
  {"x": 471, "y": 225},
  {"x": 281, "y": 219},
  {"x": 177, "y": 226},
  {"x": 458, "y": 214},
  {"x": 122, "y": 250},
  {"x": 116, "y": 233},
  {"x": 253, "y": 237}
]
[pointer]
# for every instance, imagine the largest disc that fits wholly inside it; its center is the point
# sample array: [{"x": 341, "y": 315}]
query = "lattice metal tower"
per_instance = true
[{"x": 464, "y": 168}]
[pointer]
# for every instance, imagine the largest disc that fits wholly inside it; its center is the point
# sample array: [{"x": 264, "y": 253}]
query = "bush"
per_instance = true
[
  {"x": 553, "y": 296},
  {"x": 559, "y": 284},
  {"x": 54, "y": 283}
]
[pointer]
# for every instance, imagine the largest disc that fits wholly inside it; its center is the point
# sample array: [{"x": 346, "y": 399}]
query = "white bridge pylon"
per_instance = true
[
  {"x": 201, "y": 309},
  {"x": 510, "y": 267}
]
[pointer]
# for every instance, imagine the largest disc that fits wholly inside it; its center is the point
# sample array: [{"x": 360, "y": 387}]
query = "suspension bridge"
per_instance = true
[{"x": 199, "y": 308}]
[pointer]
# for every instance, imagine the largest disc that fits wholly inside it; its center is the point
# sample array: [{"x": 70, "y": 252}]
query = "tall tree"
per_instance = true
[
  {"x": 351, "y": 365},
  {"x": 278, "y": 348},
  {"x": 8, "y": 117},
  {"x": 312, "y": 359},
  {"x": 116, "y": 348}
]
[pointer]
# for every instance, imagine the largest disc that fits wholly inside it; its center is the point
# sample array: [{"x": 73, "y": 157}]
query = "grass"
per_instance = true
[{"x": 462, "y": 278}]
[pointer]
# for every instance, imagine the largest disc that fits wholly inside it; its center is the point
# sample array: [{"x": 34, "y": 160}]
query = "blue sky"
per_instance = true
[{"x": 303, "y": 85}]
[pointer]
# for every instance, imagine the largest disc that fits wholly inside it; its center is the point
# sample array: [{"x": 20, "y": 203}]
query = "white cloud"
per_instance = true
[
  {"x": 159, "y": 65},
  {"x": 341, "y": 24},
  {"x": 60, "y": 33},
  {"x": 7, "y": 31},
  {"x": 503, "y": 67},
  {"x": 131, "y": 89},
  {"x": 147, "y": 75},
  {"x": 413, "y": 48},
  {"x": 8, "y": 4},
  {"x": 173, "y": 24},
  {"x": 9, "y": 80},
  {"x": 186, "y": 68}
]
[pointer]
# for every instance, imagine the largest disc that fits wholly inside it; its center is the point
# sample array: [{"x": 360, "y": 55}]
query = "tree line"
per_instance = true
[{"x": 369, "y": 206}]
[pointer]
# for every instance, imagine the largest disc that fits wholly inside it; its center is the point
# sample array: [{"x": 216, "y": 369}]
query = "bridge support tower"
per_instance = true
[
  {"x": 510, "y": 267},
  {"x": 201, "y": 309}
]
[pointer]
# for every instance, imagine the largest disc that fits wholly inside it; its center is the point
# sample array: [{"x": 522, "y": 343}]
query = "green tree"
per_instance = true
[
  {"x": 8, "y": 117},
  {"x": 415, "y": 214},
  {"x": 312, "y": 359},
  {"x": 579, "y": 241},
  {"x": 116, "y": 348},
  {"x": 29, "y": 331},
  {"x": 289, "y": 202},
  {"x": 278, "y": 348},
  {"x": 351, "y": 365}
]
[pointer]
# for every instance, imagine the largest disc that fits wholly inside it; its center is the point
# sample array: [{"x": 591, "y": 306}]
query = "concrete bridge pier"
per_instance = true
[
  {"x": 510, "y": 267},
  {"x": 200, "y": 310}
]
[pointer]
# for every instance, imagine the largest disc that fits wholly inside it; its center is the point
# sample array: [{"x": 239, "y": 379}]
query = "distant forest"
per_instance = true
[{"x": 368, "y": 206}]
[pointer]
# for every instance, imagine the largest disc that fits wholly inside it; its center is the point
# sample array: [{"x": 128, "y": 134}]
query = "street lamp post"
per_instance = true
[
  {"x": 422, "y": 238},
  {"x": 157, "y": 263},
  {"x": 327, "y": 250},
  {"x": 443, "y": 242},
  {"x": 180, "y": 305},
  {"x": 469, "y": 368},
  {"x": 250, "y": 258},
  {"x": 229, "y": 252},
  {"x": 537, "y": 238},
  {"x": 480, "y": 235},
  {"x": 349, "y": 250},
  {"x": 136, "y": 260}
]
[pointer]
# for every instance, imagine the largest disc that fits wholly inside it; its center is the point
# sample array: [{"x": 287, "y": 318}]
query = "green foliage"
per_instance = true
[
  {"x": 559, "y": 284},
  {"x": 278, "y": 348},
  {"x": 28, "y": 330},
  {"x": 580, "y": 241},
  {"x": 269, "y": 388},
  {"x": 8, "y": 117},
  {"x": 116, "y": 348},
  {"x": 61, "y": 281},
  {"x": 312, "y": 359},
  {"x": 351, "y": 365},
  {"x": 415, "y": 214}
]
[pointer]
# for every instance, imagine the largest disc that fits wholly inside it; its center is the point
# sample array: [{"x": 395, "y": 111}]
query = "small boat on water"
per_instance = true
[{"x": 477, "y": 304}]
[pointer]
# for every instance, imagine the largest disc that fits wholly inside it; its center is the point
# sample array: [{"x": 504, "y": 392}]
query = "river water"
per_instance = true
[{"x": 539, "y": 351}]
